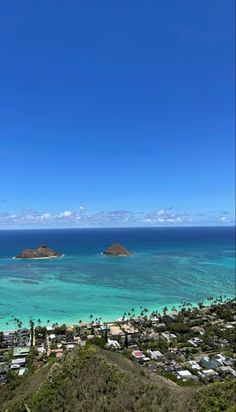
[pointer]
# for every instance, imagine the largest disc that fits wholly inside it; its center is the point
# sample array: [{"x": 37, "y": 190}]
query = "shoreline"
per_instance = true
[
  {"x": 40, "y": 258},
  {"x": 88, "y": 320}
]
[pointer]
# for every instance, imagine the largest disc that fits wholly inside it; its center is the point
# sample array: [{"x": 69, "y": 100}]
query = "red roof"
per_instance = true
[{"x": 137, "y": 353}]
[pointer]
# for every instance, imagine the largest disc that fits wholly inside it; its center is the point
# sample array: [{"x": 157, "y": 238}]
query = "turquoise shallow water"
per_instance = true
[{"x": 170, "y": 265}]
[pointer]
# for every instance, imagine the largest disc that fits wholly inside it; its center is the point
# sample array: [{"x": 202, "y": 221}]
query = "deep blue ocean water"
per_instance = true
[{"x": 169, "y": 266}]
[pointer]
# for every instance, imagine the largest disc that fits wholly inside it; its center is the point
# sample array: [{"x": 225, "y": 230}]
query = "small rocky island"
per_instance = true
[
  {"x": 40, "y": 252},
  {"x": 117, "y": 250}
]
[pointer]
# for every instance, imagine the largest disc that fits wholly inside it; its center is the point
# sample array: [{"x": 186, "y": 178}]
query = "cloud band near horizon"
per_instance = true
[{"x": 84, "y": 217}]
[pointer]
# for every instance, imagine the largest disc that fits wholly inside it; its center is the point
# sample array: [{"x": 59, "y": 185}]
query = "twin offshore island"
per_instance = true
[{"x": 45, "y": 252}]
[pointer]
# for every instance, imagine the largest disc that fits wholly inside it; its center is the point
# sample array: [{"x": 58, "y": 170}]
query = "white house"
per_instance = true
[
  {"x": 154, "y": 354},
  {"x": 184, "y": 374}
]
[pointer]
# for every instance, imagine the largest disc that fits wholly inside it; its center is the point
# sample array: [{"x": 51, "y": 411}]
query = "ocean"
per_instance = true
[{"x": 169, "y": 266}]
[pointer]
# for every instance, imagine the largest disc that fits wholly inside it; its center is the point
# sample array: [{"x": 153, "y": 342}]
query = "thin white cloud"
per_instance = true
[
  {"x": 83, "y": 217},
  {"x": 225, "y": 219},
  {"x": 167, "y": 216},
  {"x": 66, "y": 213}
]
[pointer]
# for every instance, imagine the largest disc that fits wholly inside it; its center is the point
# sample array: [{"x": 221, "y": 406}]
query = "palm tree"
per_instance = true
[
  {"x": 106, "y": 336},
  {"x": 19, "y": 323},
  {"x": 165, "y": 310},
  {"x": 126, "y": 340},
  {"x": 31, "y": 324}
]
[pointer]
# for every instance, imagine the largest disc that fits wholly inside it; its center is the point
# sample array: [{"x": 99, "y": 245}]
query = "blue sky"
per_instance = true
[{"x": 116, "y": 113}]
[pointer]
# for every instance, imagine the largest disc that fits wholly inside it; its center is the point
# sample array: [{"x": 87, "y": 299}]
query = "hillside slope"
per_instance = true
[{"x": 89, "y": 379}]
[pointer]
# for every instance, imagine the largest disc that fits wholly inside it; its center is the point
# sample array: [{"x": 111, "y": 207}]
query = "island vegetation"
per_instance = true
[
  {"x": 40, "y": 252},
  {"x": 117, "y": 250}
]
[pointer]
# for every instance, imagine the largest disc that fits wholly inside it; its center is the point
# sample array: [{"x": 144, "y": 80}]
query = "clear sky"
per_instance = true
[{"x": 116, "y": 112}]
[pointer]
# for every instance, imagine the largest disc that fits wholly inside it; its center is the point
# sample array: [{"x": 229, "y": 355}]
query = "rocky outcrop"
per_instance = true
[
  {"x": 117, "y": 250},
  {"x": 40, "y": 252}
]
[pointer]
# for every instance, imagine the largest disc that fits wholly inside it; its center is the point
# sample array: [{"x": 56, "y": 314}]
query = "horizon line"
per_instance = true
[{"x": 119, "y": 227}]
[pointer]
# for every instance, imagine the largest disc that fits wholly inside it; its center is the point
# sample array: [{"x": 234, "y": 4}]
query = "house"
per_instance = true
[
  {"x": 223, "y": 360},
  {"x": 154, "y": 354},
  {"x": 172, "y": 366},
  {"x": 209, "y": 363},
  {"x": 113, "y": 344},
  {"x": 228, "y": 361},
  {"x": 138, "y": 354},
  {"x": 194, "y": 365},
  {"x": 8, "y": 339},
  {"x": 155, "y": 321},
  {"x": 15, "y": 366},
  {"x": 168, "y": 336},
  {"x": 144, "y": 359},
  {"x": 229, "y": 326},
  {"x": 21, "y": 351},
  {"x": 115, "y": 330},
  {"x": 131, "y": 340},
  {"x": 209, "y": 372},
  {"x": 161, "y": 326},
  {"x": 220, "y": 358},
  {"x": 228, "y": 369},
  {"x": 195, "y": 341},
  {"x": 130, "y": 329},
  {"x": 198, "y": 329},
  {"x": 22, "y": 371},
  {"x": 23, "y": 341},
  {"x": 59, "y": 338},
  {"x": 17, "y": 363},
  {"x": 104, "y": 328},
  {"x": 184, "y": 374},
  {"x": 41, "y": 350}
]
